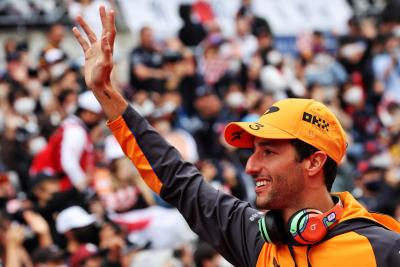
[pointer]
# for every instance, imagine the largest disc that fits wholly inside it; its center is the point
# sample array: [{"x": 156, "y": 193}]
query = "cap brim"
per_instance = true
[{"x": 241, "y": 134}]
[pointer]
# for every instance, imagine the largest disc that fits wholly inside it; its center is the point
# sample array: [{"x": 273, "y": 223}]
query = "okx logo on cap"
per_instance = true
[{"x": 304, "y": 119}]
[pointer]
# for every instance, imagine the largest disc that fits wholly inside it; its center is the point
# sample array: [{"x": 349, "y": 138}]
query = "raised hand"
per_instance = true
[
  {"x": 39, "y": 226},
  {"x": 98, "y": 53},
  {"x": 99, "y": 63}
]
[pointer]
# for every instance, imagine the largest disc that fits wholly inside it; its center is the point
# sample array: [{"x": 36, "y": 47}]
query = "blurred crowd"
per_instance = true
[{"x": 69, "y": 197}]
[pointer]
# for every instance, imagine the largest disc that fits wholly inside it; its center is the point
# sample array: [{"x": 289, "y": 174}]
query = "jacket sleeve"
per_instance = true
[{"x": 228, "y": 224}]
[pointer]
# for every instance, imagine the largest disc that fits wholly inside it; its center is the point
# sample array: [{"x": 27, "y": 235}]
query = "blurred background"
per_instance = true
[{"x": 69, "y": 197}]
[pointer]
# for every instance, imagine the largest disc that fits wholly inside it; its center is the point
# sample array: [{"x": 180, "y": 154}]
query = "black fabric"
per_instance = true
[
  {"x": 225, "y": 222},
  {"x": 386, "y": 251},
  {"x": 150, "y": 59},
  {"x": 348, "y": 226},
  {"x": 275, "y": 227}
]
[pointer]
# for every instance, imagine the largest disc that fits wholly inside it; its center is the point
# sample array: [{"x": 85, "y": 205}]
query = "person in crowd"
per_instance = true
[
  {"x": 51, "y": 256},
  {"x": 123, "y": 190},
  {"x": 20, "y": 128},
  {"x": 55, "y": 38},
  {"x": 192, "y": 31},
  {"x": 69, "y": 153},
  {"x": 296, "y": 147},
  {"x": 146, "y": 60},
  {"x": 78, "y": 227},
  {"x": 206, "y": 256}
]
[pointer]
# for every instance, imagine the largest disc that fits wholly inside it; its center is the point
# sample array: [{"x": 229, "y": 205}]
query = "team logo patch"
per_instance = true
[{"x": 315, "y": 120}]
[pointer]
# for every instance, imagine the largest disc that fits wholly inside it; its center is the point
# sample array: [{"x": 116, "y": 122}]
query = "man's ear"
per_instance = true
[{"x": 315, "y": 163}]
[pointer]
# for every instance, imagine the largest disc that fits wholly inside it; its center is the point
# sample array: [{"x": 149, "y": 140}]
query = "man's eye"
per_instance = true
[{"x": 267, "y": 152}]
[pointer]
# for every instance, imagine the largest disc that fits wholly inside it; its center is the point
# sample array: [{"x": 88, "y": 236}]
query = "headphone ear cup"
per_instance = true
[
  {"x": 272, "y": 228},
  {"x": 306, "y": 227}
]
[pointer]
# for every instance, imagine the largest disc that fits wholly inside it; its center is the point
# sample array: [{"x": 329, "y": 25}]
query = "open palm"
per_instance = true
[{"x": 98, "y": 53}]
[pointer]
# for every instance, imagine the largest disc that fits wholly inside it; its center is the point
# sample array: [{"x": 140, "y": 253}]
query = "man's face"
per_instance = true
[
  {"x": 147, "y": 38},
  {"x": 90, "y": 118},
  {"x": 57, "y": 34},
  {"x": 277, "y": 174},
  {"x": 45, "y": 191}
]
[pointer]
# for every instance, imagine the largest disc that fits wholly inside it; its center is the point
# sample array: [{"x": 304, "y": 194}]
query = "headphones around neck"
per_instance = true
[{"x": 305, "y": 227}]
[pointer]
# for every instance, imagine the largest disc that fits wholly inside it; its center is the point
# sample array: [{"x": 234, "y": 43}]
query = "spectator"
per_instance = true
[
  {"x": 192, "y": 32},
  {"x": 12, "y": 236},
  {"x": 78, "y": 227},
  {"x": 87, "y": 255},
  {"x": 145, "y": 64},
  {"x": 258, "y": 24},
  {"x": 386, "y": 68},
  {"x": 246, "y": 42},
  {"x": 20, "y": 129},
  {"x": 206, "y": 256},
  {"x": 73, "y": 146},
  {"x": 124, "y": 190},
  {"x": 55, "y": 37},
  {"x": 51, "y": 256}
]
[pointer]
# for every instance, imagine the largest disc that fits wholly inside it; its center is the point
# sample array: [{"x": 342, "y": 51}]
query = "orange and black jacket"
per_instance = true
[{"x": 231, "y": 225}]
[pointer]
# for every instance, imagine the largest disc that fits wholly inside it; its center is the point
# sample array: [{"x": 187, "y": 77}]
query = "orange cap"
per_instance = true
[{"x": 304, "y": 119}]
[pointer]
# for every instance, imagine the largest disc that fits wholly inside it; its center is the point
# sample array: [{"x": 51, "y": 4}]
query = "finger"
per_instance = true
[
  {"x": 106, "y": 48},
  {"x": 111, "y": 28},
  {"x": 90, "y": 34},
  {"x": 103, "y": 18},
  {"x": 78, "y": 36}
]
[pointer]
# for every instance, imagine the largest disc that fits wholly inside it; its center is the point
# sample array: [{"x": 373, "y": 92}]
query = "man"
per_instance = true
[
  {"x": 78, "y": 227},
  {"x": 51, "y": 256},
  {"x": 293, "y": 180},
  {"x": 206, "y": 256},
  {"x": 145, "y": 64},
  {"x": 69, "y": 153},
  {"x": 55, "y": 37}
]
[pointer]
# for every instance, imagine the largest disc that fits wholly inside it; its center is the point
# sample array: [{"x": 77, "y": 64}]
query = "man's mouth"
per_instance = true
[{"x": 262, "y": 184}]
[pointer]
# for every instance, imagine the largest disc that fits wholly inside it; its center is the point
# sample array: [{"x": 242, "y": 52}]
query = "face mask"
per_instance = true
[
  {"x": 24, "y": 105},
  {"x": 274, "y": 58},
  {"x": 235, "y": 100},
  {"x": 353, "y": 95},
  {"x": 146, "y": 108},
  {"x": 57, "y": 70},
  {"x": 70, "y": 109},
  {"x": 36, "y": 145}
]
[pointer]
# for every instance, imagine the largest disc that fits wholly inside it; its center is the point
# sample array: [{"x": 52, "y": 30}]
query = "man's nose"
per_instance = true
[{"x": 252, "y": 165}]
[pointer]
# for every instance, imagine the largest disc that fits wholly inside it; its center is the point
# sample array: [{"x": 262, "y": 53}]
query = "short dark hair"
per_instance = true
[
  {"x": 304, "y": 150},
  {"x": 203, "y": 252}
]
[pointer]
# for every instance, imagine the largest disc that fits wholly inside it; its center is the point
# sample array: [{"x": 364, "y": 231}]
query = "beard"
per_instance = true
[
  {"x": 91, "y": 125},
  {"x": 283, "y": 193}
]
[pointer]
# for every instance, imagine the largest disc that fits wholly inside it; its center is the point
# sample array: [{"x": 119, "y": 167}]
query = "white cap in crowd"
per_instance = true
[
  {"x": 73, "y": 217},
  {"x": 88, "y": 101}
]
